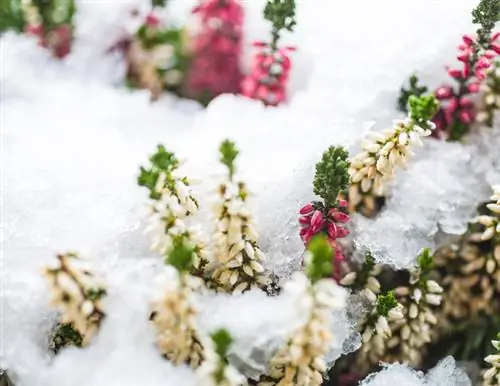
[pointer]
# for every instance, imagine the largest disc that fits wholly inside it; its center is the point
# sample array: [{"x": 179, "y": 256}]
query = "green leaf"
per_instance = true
[
  {"x": 425, "y": 261},
  {"x": 281, "y": 13},
  {"x": 364, "y": 273},
  {"x": 321, "y": 264},
  {"x": 180, "y": 255},
  {"x": 222, "y": 341},
  {"x": 486, "y": 14},
  {"x": 159, "y": 3},
  {"x": 228, "y": 154},
  {"x": 11, "y": 16},
  {"x": 95, "y": 293},
  {"x": 162, "y": 161},
  {"x": 64, "y": 335},
  {"x": 414, "y": 89},
  {"x": 385, "y": 303},
  {"x": 332, "y": 175},
  {"x": 422, "y": 108}
]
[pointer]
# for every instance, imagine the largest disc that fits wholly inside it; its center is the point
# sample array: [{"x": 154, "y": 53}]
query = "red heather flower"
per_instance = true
[
  {"x": 268, "y": 80},
  {"x": 216, "y": 50},
  {"x": 313, "y": 220},
  {"x": 458, "y": 106}
]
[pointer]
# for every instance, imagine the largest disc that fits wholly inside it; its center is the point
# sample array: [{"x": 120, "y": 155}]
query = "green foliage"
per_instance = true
[
  {"x": 159, "y": 3},
  {"x": 486, "y": 14},
  {"x": 425, "y": 261},
  {"x": 55, "y": 12},
  {"x": 414, "y": 89},
  {"x": 180, "y": 255},
  {"x": 281, "y": 13},
  {"x": 65, "y": 335},
  {"x": 11, "y": 16},
  {"x": 95, "y": 293},
  {"x": 228, "y": 154},
  {"x": 364, "y": 273},
  {"x": 222, "y": 341},
  {"x": 422, "y": 108},
  {"x": 457, "y": 130},
  {"x": 332, "y": 175},
  {"x": 162, "y": 161},
  {"x": 385, "y": 303},
  {"x": 320, "y": 266}
]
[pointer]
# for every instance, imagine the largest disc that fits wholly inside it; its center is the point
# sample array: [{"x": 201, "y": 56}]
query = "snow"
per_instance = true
[
  {"x": 444, "y": 374},
  {"x": 73, "y": 139}
]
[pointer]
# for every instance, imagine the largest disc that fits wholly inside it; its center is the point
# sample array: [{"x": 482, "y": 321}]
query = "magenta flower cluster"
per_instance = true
[
  {"x": 457, "y": 104},
  {"x": 269, "y": 76},
  {"x": 216, "y": 49},
  {"x": 315, "y": 219}
]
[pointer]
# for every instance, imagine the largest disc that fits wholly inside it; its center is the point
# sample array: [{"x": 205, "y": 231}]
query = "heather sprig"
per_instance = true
[
  {"x": 374, "y": 167},
  {"x": 301, "y": 361},
  {"x": 77, "y": 294},
  {"x": 174, "y": 313},
  {"x": 235, "y": 240},
  {"x": 172, "y": 205},
  {"x": 328, "y": 217},
  {"x": 268, "y": 79}
]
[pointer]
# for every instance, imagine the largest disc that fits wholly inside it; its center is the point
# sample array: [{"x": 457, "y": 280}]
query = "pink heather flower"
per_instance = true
[
  {"x": 455, "y": 73},
  {"x": 473, "y": 88},
  {"x": 216, "y": 50},
  {"x": 458, "y": 106},
  {"x": 152, "y": 20},
  {"x": 314, "y": 221},
  {"x": 268, "y": 79},
  {"x": 469, "y": 40},
  {"x": 444, "y": 92}
]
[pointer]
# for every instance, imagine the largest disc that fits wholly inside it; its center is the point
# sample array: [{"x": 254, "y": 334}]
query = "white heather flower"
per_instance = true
[
  {"x": 301, "y": 360},
  {"x": 381, "y": 154},
  {"x": 174, "y": 318},
  {"x": 348, "y": 279},
  {"x": 168, "y": 219},
  {"x": 236, "y": 250},
  {"x": 434, "y": 287},
  {"x": 77, "y": 294},
  {"x": 492, "y": 376}
]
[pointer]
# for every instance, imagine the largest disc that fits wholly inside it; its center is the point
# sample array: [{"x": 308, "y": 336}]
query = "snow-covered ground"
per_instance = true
[{"x": 73, "y": 139}]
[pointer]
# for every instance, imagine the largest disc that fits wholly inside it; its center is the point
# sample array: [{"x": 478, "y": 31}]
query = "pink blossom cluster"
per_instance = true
[
  {"x": 315, "y": 219},
  {"x": 459, "y": 105},
  {"x": 268, "y": 80},
  {"x": 57, "y": 40},
  {"x": 216, "y": 49}
]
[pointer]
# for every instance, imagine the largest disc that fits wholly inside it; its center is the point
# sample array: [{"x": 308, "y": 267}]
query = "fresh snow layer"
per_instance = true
[
  {"x": 444, "y": 374},
  {"x": 73, "y": 139}
]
